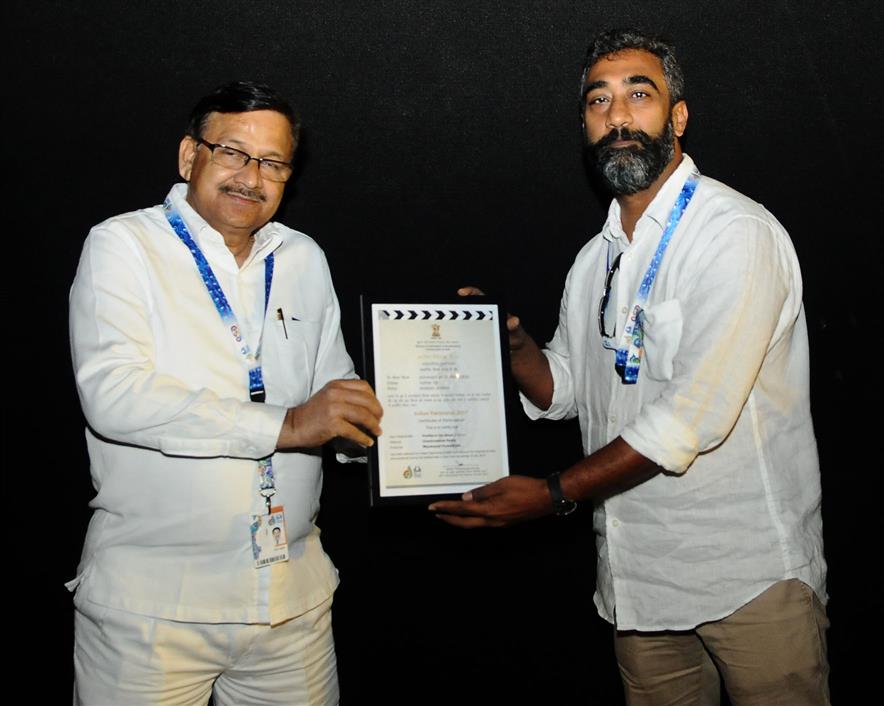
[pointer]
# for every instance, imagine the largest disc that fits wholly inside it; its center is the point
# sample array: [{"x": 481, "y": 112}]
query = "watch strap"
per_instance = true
[{"x": 561, "y": 504}]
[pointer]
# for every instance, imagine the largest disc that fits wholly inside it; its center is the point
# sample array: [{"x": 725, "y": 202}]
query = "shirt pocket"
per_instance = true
[
  {"x": 662, "y": 326},
  {"x": 290, "y": 368}
]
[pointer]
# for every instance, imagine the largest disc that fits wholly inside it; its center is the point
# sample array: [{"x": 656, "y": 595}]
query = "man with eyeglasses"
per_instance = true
[
  {"x": 211, "y": 367},
  {"x": 682, "y": 348}
]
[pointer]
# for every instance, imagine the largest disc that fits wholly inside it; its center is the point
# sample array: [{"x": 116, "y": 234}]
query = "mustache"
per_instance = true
[
  {"x": 244, "y": 191},
  {"x": 623, "y": 133}
]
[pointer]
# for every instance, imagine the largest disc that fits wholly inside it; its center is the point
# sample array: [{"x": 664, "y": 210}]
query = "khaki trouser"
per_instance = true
[{"x": 770, "y": 652}]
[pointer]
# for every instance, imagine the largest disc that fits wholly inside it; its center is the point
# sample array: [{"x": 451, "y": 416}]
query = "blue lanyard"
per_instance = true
[
  {"x": 628, "y": 357},
  {"x": 228, "y": 318}
]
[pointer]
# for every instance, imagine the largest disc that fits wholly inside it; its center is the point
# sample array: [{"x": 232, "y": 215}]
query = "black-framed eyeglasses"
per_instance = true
[
  {"x": 606, "y": 296},
  {"x": 232, "y": 158}
]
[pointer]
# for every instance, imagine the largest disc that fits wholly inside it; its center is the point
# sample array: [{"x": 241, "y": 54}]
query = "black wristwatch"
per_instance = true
[{"x": 561, "y": 505}]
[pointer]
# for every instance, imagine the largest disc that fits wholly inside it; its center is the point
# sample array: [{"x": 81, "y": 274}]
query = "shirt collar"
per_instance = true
[
  {"x": 658, "y": 210},
  {"x": 267, "y": 238}
]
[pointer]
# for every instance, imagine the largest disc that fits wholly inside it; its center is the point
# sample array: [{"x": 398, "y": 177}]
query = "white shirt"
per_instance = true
[
  {"x": 173, "y": 438},
  {"x": 721, "y": 403}
]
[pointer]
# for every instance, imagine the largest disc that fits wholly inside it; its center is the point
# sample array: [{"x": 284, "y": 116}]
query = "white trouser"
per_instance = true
[{"x": 123, "y": 659}]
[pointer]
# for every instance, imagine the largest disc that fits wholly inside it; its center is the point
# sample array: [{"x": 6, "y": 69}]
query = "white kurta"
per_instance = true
[{"x": 173, "y": 438}]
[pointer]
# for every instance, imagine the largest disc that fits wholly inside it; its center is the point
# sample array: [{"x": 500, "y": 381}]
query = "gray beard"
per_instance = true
[{"x": 628, "y": 170}]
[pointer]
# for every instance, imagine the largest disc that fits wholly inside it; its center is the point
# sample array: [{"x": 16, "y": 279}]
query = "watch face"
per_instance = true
[
  {"x": 565, "y": 507},
  {"x": 561, "y": 505}
]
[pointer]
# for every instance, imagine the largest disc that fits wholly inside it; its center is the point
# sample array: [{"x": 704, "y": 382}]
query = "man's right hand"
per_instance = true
[
  {"x": 529, "y": 366},
  {"x": 343, "y": 408},
  {"x": 518, "y": 337}
]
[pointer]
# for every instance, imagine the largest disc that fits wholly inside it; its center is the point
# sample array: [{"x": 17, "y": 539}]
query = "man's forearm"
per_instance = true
[
  {"x": 610, "y": 470},
  {"x": 532, "y": 374}
]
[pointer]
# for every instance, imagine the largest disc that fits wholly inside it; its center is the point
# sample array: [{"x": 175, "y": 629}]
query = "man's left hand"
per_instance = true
[{"x": 505, "y": 502}]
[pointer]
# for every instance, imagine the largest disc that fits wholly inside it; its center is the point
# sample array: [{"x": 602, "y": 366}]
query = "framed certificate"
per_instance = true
[{"x": 437, "y": 368}]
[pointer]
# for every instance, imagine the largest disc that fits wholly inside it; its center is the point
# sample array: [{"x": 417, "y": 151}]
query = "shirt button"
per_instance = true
[
  {"x": 624, "y": 310},
  {"x": 615, "y": 523},
  {"x": 612, "y": 419}
]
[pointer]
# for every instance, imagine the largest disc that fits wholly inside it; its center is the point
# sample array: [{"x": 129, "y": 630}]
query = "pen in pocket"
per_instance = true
[{"x": 282, "y": 319}]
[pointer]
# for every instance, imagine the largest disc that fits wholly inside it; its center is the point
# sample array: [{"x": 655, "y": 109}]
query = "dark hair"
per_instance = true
[
  {"x": 241, "y": 97},
  {"x": 616, "y": 40}
]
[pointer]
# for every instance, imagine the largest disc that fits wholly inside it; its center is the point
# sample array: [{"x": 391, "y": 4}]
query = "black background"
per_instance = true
[{"x": 441, "y": 148}]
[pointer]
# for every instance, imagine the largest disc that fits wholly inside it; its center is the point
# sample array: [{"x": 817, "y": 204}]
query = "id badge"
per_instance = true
[{"x": 269, "y": 543}]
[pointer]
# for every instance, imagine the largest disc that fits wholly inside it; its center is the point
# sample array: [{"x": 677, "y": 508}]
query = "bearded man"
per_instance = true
[{"x": 682, "y": 348}]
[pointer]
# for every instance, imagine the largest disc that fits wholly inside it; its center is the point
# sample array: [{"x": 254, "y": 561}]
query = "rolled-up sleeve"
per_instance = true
[{"x": 743, "y": 295}]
